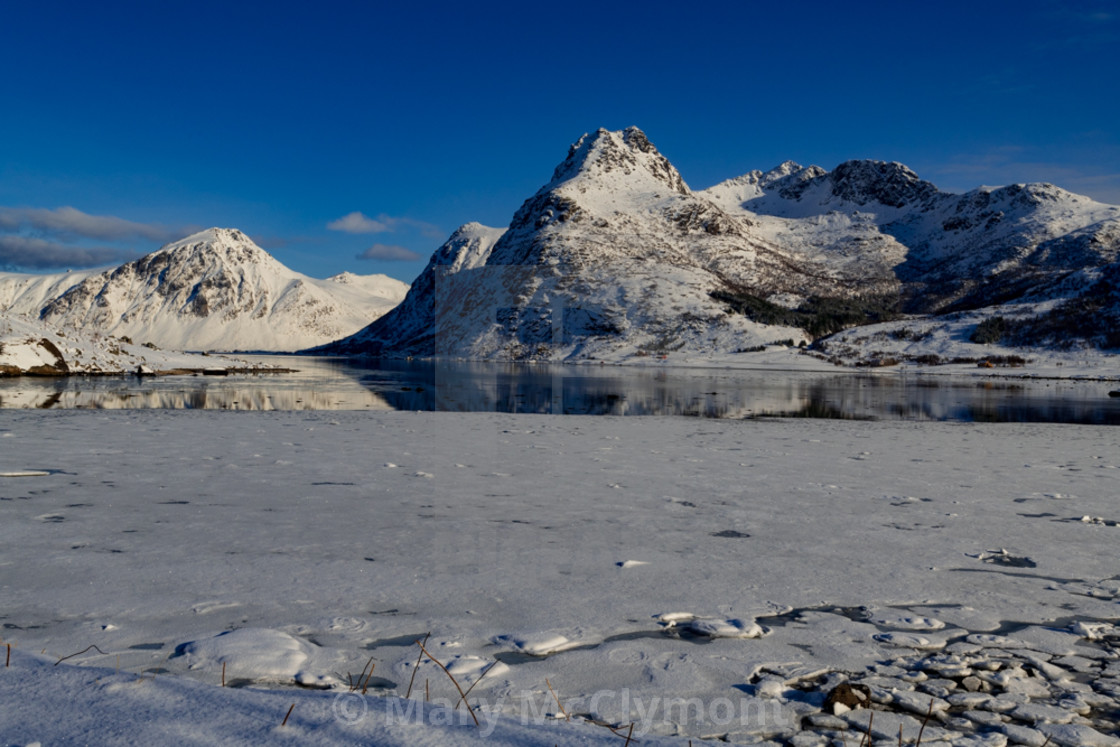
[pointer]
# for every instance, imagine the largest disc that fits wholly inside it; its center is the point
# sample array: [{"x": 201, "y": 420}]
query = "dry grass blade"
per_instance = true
[
  {"x": 617, "y": 731},
  {"x": 557, "y": 699},
  {"x": 484, "y": 673},
  {"x": 417, "y": 667},
  {"x": 8, "y": 659},
  {"x": 87, "y": 648},
  {"x": 629, "y": 735},
  {"x": 455, "y": 682},
  {"x": 223, "y": 674},
  {"x": 369, "y": 676},
  {"x": 355, "y": 684},
  {"x": 289, "y": 713}
]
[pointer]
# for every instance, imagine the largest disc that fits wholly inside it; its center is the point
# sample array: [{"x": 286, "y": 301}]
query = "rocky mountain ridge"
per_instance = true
[{"x": 616, "y": 256}]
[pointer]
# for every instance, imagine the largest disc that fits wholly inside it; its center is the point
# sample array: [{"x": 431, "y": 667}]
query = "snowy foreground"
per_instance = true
[{"x": 699, "y": 579}]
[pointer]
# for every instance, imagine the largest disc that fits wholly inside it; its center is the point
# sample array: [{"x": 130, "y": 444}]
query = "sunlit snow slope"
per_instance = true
[{"x": 214, "y": 290}]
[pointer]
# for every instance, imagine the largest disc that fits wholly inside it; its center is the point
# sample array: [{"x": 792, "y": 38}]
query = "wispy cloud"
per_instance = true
[
  {"x": 357, "y": 222},
  {"x": 29, "y": 253},
  {"x": 1089, "y": 170},
  {"x": 1076, "y": 25},
  {"x": 34, "y": 238},
  {"x": 389, "y": 253},
  {"x": 68, "y": 224}
]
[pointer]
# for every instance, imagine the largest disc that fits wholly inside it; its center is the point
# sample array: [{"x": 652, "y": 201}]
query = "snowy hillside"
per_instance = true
[
  {"x": 616, "y": 257},
  {"x": 215, "y": 290}
]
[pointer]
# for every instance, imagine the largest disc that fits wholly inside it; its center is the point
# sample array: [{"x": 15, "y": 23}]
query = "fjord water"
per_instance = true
[{"x": 351, "y": 384}]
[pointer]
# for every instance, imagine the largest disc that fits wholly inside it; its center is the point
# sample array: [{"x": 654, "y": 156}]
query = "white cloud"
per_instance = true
[
  {"x": 357, "y": 222},
  {"x": 390, "y": 253},
  {"x": 68, "y": 224}
]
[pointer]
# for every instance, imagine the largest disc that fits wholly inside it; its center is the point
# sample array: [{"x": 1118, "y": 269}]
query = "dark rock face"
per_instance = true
[
  {"x": 890, "y": 184},
  {"x": 58, "y": 368},
  {"x": 847, "y": 697}
]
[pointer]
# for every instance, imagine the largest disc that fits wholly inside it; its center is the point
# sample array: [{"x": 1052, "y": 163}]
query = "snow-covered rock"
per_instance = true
[{"x": 31, "y": 347}]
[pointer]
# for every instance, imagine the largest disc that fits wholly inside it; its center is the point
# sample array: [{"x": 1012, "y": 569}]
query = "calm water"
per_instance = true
[{"x": 339, "y": 384}]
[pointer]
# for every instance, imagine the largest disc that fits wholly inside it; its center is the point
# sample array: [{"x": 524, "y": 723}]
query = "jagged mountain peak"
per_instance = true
[
  {"x": 781, "y": 171},
  {"x": 885, "y": 182},
  {"x": 620, "y": 156},
  {"x": 468, "y": 246}
]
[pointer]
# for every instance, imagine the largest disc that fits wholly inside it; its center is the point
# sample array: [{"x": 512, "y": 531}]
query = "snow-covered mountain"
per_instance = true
[
  {"x": 616, "y": 256},
  {"x": 949, "y": 251},
  {"x": 214, "y": 290}
]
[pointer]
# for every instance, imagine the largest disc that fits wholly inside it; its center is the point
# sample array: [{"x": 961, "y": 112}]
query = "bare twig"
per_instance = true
[
  {"x": 867, "y": 737},
  {"x": 557, "y": 699},
  {"x": 223, "y": 674},
  {"x": 8, "y": 659},
  {"x": 354, "y": 685},
  {"x": 417, "y": 668},
  {"x": 87, "y": 648},
  {"x": 924, "y": 722},
  {"x": 629, "y": 735},
  {"x": 289, "y": 713},
  {"x": 453, "y": 681}
]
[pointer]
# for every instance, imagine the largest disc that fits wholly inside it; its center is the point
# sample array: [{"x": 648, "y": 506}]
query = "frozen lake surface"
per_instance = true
[
  {"x": 698, "y": 578},
  {"x": 342, "y": 384}
]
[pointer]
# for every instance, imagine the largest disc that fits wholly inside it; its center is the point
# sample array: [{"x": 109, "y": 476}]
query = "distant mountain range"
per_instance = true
[
  {"x": 214, "y": 290},
  {"x": 616, "y": 256}
]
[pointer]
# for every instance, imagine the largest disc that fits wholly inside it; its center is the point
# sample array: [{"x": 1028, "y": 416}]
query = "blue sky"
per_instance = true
[{"x": 357, "y": 135}]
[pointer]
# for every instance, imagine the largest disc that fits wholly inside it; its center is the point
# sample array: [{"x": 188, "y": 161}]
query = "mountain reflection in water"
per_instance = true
[{"x": 346, "y": 384}]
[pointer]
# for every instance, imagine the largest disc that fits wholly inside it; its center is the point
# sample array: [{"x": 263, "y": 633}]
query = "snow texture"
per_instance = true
[{"x": 277, "y": 544}]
